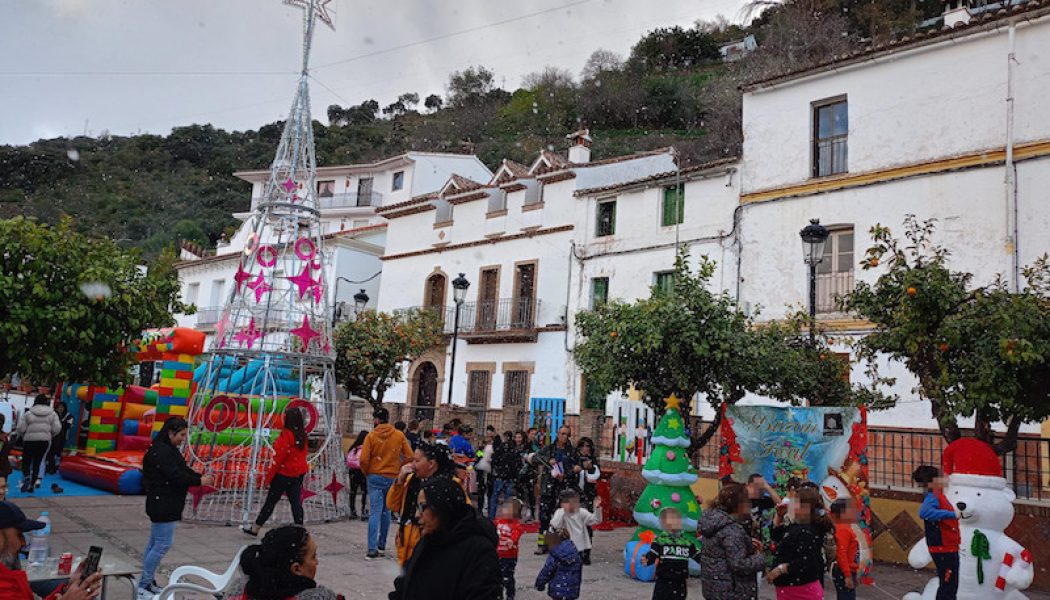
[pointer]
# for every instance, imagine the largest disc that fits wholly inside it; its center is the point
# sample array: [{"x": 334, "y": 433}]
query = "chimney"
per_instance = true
[
  {"x": 956, "y": 12},
  {"x": 580, "y": 146}
]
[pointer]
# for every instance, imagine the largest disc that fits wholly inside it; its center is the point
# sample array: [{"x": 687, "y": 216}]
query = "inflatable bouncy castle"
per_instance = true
[{"x": 122, "y": 421}]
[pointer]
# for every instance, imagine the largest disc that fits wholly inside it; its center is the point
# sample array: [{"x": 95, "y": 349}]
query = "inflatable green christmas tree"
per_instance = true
[{"x": 670, "y": 476}]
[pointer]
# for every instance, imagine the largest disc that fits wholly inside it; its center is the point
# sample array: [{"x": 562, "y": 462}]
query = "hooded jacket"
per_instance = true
[
  {"x": 455, "y": 564},
  {"x": 39, "y": 424},
  {"x": 384, "y": 451},
  {"x": 166, "y": 479},
  {"x": 562, "y": 573},
  {"x": 728, "y": 561}
]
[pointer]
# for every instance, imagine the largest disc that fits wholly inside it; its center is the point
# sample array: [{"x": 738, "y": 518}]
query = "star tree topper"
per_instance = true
[{"x": 320, "y": 9}]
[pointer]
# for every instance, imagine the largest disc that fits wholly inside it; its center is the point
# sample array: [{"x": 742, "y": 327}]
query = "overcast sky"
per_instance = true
[{"x": 148, "y": 65}]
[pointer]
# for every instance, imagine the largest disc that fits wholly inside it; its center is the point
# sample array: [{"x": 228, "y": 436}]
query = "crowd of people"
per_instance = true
[{"x": 459, "y": 512}]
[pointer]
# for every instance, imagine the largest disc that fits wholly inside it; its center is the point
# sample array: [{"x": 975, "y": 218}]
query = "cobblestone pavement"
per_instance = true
[{"x": 122, "y": 527}]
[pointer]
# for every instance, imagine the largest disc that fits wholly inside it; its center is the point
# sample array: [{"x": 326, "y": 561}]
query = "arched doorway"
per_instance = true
[
  {"x": 435, "y": 291},
  {"x": 426, "y": 391}
]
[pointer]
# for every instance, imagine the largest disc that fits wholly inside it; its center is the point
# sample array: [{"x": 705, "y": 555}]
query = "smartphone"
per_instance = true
[{"x": 91, "y": 562}]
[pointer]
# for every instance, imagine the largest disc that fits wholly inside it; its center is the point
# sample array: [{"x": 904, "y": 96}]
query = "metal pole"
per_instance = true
[
  {"x": 455, "y": 338},
  {"x": 812, "y": 302}
]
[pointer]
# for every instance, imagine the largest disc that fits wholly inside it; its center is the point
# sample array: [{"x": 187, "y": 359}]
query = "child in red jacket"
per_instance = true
[
  {"x": 285, "y": 477},
  {"x": 509, "y": 530},
  {"x": 847, "y": 549}
]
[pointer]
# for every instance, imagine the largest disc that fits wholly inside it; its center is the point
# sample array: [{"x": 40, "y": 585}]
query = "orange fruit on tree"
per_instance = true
[
  {"x": 912, "y": 291},
  {"x": 613, "y": 334},
  {"x": 944, "y": 347}
]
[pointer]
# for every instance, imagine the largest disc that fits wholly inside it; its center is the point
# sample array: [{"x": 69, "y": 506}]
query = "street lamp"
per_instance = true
[
  {"x": 813, "y": 237},
  {"x": 459, "y": 292},
  {"x": 360, "y": 302}
]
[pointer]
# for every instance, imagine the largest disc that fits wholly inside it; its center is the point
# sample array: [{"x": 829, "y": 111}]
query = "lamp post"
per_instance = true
[
  {"x": 360, "y": 302},
  {"x": 814, "y": 236},
  {"x": 459, "y": 292}
]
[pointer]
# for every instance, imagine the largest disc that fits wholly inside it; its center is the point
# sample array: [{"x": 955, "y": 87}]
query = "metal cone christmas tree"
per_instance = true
[
  {"x": 272, "y": 347},
  {"x": 670, "y": 475}
]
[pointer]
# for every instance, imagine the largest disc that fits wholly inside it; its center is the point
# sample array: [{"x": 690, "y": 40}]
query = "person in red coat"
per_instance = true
[
  {"x": 285, "y": 477},
  {"x": 14, "y": 583}
]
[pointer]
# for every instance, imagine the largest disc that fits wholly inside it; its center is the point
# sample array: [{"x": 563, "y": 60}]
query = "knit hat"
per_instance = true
[{"x": 969, "y": 461}]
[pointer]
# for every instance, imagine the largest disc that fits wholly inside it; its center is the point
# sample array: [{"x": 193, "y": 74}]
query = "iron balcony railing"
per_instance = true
[
  {"x": 350, "y": 200},
  {"x": 347, "y": 200},
  {"x": 830, "y": 286},
  {"x": 486, "y": 316},
  {"x": 208, "y": 316}
]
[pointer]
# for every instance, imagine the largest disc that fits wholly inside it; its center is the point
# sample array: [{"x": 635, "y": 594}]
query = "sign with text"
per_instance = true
[{"x": 782, "y": 442}]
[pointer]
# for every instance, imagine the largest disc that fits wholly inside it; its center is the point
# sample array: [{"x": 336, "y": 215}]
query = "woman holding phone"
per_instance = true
[{"x": 167, "y": 479}]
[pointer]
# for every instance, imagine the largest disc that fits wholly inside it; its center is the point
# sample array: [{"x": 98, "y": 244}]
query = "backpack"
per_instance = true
[{"x": 353, "y": 458}]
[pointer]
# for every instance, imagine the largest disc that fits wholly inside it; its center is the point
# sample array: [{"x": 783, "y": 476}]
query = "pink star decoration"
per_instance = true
[
  {"x": 305, "y": 332},
  {"x": 249, "y": 335},
  {"x": 200, "y": 491},
  {"x": 289, "y": 185},
  {"x": 303, "y": 281},
  {"x": 220, "y": 328},
  {"x": 333, "y": 488},
  {"x": 241, "y": 276},
  {"x": 260, "y": 287},
  {"x": 318, "y": 291},
  {"x": 307, "y": 494}
]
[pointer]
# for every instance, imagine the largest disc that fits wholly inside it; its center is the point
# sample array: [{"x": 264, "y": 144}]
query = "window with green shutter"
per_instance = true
[
  {"x": 673, "y": 212},
  {"x": 599, "y": 291},
  {"x": 664, "y": 281}
]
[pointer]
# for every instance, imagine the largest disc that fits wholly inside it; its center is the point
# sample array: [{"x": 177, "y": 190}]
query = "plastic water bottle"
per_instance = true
[{"x": 40, "y": 542}]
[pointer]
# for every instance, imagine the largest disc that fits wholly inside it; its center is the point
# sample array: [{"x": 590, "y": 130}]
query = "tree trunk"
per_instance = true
[
  {"x": 377, "y": 402},
  {"x": 696, "y": 443},
  {"x": 982, "y": 429},
  {"x": 1009, "y": 442},
  {"x": 948, "y": 425}
]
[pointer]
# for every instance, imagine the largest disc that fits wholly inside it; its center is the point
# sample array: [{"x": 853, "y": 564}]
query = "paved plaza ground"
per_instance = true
[{"x": 120, "y": 524}]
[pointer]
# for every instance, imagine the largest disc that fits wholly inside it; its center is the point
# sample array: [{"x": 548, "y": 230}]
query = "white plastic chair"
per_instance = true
[
  {"x": 218, "y": 582},
  {"x": 169, "y": 591}
]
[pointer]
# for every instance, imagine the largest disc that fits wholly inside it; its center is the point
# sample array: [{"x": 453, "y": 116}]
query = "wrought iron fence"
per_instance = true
[
  {"x": 893, "y": 454},
  {"x": 486, "y": 316},
  {"x": 208, "y": 316}
]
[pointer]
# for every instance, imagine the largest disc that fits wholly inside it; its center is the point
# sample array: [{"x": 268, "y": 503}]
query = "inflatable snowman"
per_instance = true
[{"x": 995, "y": 566}]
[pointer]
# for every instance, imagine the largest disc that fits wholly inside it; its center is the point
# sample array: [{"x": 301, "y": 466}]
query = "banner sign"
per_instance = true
[{"x": 825, "y": 445}]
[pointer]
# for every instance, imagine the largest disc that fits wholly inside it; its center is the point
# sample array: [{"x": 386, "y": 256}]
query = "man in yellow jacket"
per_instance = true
[{"x": 384, "y": 452}]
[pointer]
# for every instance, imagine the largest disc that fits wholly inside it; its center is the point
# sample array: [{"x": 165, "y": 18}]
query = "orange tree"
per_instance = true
[
  {"x": 50, "y": 329},
  {"x": 371, "y": 350},
  {"x": 689, "y": 340},
  {"x": 976, "y": 352}
]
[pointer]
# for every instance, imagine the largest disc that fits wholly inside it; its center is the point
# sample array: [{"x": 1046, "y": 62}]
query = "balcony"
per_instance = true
[
  {"x": 360, "y": 199},
  {"x": 829, "y": 287},
  {"x": 490, "y": 321},
  {"x": 208, "y": 317}
]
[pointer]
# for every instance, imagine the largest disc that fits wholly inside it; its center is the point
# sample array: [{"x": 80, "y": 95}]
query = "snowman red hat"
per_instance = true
[{"x": 971, "y": 462}]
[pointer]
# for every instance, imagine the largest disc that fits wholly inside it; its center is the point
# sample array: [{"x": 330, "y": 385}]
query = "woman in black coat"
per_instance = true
[
  {"x": 166, "y": 479},
  {"x": 456, "y": 559}
]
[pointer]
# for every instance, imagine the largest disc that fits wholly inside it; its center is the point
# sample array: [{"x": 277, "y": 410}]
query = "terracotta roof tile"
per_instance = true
[
  {"x": 415, "y": 200},
  {"x": 348, "y": 233},
  {"x": 684, "y": 172}
]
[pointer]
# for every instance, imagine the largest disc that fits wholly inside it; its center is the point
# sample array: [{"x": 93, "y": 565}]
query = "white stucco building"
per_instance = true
[
  {"x": 355, "y": 235},
  {"x": 511, "y": 236},
  {"x": 949, "y": 125}
]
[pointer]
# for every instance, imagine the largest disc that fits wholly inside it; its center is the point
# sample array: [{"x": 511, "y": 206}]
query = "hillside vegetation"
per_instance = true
[{"x": 150, "y": 191}]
